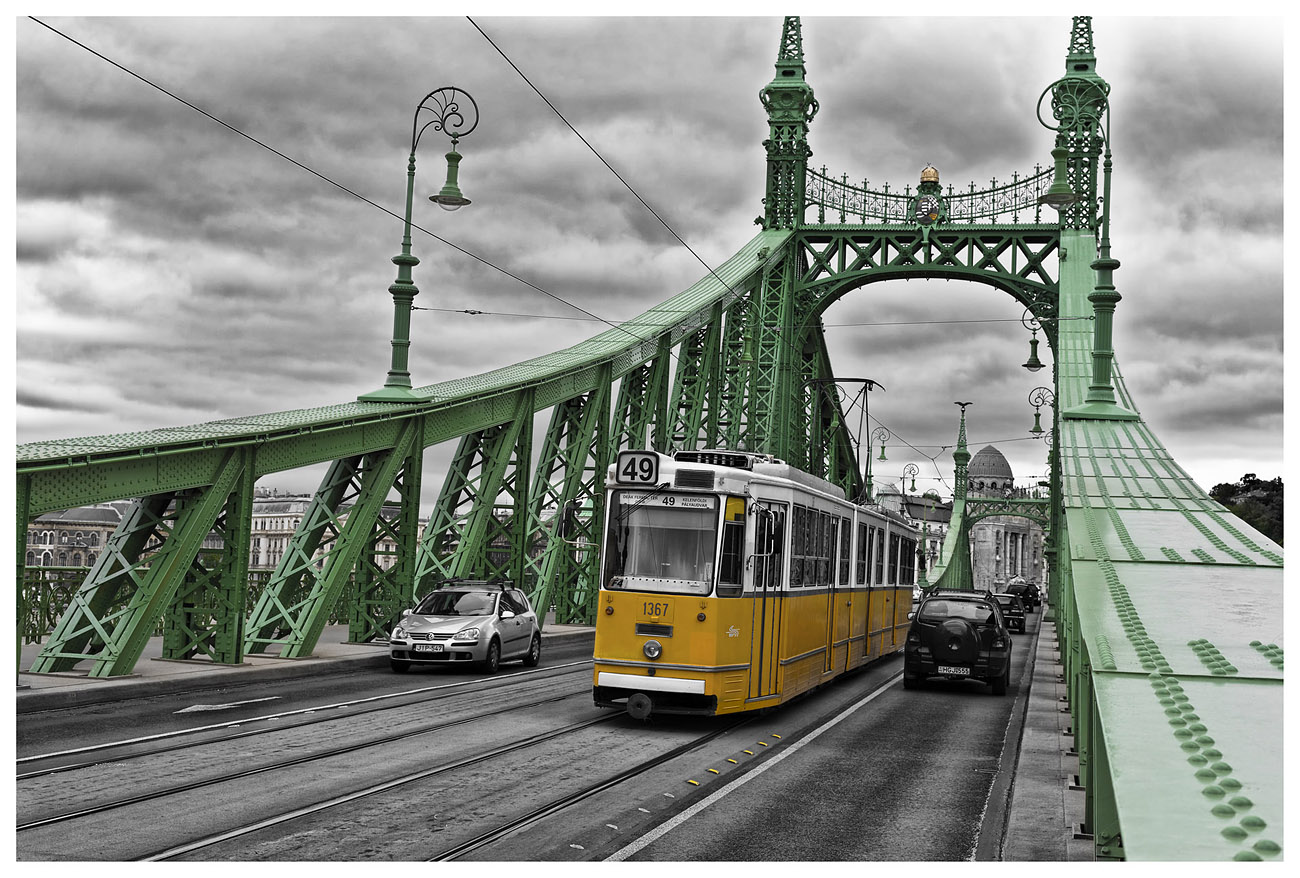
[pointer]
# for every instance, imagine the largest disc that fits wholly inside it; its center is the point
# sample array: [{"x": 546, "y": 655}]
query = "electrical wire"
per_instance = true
[{"x": 333, "y": 183}]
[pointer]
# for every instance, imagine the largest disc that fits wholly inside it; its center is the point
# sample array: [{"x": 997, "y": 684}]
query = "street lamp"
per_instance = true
[
  {"x": 454, "y": 112},
  {"x": 1030, "y": 322},
  {"x": 881, "y": 435},
  {"x": 910, "y": 471},
  {"x": 1039, "y": 397}
]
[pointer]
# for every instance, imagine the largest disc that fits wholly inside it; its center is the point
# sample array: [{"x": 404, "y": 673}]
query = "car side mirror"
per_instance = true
[
  {"x": 406, "y": 612},
  {"x": 507, "y": 614},
  {"x": 911, "y": 616}
]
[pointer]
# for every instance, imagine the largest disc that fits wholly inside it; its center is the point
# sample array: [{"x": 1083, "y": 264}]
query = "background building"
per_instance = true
[{"x": 1005, "y": 546}]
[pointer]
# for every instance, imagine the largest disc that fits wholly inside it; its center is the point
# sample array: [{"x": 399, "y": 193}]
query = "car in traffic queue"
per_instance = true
[
  {"x": 958, "y": 635},
  {"x": 467, "y": 622},
  {"x": 1013, "y": 611},
  {"x": 1026, "y": 591}
]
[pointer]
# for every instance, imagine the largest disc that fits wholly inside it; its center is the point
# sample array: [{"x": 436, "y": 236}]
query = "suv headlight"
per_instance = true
[
  {"x": 398, "y": 633},
  {"x": 466, "y": 635}
]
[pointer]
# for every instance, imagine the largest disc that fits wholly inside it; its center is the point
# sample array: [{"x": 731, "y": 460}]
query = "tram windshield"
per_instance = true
[{"x": 661, "y": 542}]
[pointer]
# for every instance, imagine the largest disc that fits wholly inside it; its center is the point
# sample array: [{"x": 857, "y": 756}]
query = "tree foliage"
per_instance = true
[{"x": 1256, "y": 502}]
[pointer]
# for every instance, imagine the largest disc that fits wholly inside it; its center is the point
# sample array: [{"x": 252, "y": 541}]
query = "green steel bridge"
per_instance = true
[{"x": 1159, "y": 592}]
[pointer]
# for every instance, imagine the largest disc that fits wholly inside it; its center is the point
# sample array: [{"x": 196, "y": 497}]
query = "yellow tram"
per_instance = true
[{"x": 731, "y": 581}]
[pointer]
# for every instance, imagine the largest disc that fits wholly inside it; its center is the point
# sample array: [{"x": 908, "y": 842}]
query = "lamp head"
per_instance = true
[{"x": 450, "y": 197}]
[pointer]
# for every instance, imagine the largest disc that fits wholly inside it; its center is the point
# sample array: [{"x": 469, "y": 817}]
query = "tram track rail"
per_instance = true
[
  {"x": 559, "y": 804},
  {"x": 307, "y": 716},
  {"x": 412, "y": 777},
  {"x": 305, "y": 759}
]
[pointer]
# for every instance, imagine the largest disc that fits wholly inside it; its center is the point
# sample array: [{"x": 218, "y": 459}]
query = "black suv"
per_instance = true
[
  {"x": 1027, "y": 592},
  {"x": 1013, "y": 611},
  {"x": 958, "y": 635}
]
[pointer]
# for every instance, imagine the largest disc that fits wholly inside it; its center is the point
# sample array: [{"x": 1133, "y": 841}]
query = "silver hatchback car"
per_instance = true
[{"x": 466, "y": 622}]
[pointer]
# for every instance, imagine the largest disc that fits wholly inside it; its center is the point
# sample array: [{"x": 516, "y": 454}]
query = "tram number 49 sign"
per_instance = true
[{"x": 637, "y": 468}]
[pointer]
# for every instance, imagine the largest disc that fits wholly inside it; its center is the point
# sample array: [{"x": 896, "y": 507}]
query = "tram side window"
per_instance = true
[
  {"x": 846, "y": 536},
  {"x": 895, "y": 546},
  {"x": 878, "y": 552},
  {"x": 733, "y": 554},
  {"x": 799, "y": 517},
  {"x": 825, "y": 547},
  {"x": 862, "y": 554},
  {"x": 907, "y": 561}
]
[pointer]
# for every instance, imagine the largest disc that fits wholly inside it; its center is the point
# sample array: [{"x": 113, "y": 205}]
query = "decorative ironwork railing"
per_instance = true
[{"x": 858, "y": 204}]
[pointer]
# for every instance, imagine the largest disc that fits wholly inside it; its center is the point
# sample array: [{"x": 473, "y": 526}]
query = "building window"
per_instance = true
[
  {"x": 31, "y": 559},
  {"x": 94, "y": 538}
]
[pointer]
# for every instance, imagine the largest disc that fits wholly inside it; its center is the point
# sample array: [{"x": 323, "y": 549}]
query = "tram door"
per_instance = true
[{"x": 769, "y": 566}]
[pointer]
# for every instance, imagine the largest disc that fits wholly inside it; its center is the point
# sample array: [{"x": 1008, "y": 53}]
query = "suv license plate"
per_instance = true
[
  {"x": 952, "y": 669},
  {"x": 428, "y": 647}
]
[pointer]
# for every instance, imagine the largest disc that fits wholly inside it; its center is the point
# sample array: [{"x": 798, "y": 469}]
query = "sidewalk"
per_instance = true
[
  {"x": 1046, "y": 808},
  {"x": 154, "y": 675}
]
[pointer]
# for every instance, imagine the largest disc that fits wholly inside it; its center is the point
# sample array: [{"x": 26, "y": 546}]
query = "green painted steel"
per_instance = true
[{"x": 1174, "y": 671}]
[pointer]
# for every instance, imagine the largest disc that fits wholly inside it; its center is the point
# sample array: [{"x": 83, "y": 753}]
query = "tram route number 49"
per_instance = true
[{"x": 637, "y": 468}]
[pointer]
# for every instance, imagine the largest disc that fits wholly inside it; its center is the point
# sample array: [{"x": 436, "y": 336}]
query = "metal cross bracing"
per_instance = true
[{"x": 1175, "y": 690}]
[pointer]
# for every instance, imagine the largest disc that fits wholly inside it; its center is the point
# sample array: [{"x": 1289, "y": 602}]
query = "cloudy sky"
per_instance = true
[{"x": 172, "y": 272}]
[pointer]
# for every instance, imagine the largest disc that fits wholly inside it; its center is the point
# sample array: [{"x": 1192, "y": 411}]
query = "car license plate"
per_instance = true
[
  {"x": 428, "y": 647},
  {"x": 953, "y": 669}
]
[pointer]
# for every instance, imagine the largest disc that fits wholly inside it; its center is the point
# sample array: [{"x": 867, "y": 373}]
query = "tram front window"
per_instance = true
[{"x": 661, "y": 542}]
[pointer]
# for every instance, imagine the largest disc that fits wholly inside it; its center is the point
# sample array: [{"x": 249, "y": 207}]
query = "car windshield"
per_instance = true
[
  {"x": 457, "y": 603},
  {"x": 937, "y": 611}
]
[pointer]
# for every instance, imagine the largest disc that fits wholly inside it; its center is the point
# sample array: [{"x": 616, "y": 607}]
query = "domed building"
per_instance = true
[{"x": 1005, "y": 546}]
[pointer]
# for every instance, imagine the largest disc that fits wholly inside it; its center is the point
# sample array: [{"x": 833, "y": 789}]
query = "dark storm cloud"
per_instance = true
[
  {"x": 153, "y": 241},
  {"x": 54, "y": 402}
]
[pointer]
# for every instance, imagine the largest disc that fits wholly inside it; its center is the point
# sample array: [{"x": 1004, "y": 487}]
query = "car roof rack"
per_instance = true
[{"x": 501, "y": 584}]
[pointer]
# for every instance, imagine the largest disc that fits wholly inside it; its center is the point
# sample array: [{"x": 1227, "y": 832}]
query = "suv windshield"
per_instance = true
[
  {"x": 457, "y": 603},
  {"x": 939, "y": 610}
]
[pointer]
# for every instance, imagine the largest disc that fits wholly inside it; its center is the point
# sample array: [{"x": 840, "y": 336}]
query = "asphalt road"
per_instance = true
[{"x": 860, "y": 770}]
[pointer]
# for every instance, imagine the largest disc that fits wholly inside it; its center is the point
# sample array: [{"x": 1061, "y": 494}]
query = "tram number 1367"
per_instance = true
[
  {"x": 637, "y": 468},
  {"x": 654, "y": 609}
]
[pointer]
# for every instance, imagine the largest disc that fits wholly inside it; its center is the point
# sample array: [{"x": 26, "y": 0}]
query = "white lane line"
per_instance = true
[
  {"x": 197, "y": 708},
  {"x": 664, "y": 828}
]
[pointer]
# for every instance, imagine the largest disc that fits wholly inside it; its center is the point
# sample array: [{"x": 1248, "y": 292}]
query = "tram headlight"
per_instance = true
[
  {"x": 652, "y": 649},
  {"x": 466, "y": 635}
]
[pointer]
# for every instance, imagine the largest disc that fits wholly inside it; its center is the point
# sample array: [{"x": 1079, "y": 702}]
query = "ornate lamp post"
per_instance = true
[
  {"x": 911, "y": 471},
  {"x": 454, "y": 112},
  {"x": 1039, "y": 397},
  {"x": 881, "y": 435},
  {"x": 1081, "y": 108},
  {"x": 1030, "y": 322}
]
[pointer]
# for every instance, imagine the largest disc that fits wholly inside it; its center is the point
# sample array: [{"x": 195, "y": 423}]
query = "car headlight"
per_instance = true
[
  {"x": 466, "y": 635},
  {"x": 398, "y": 633}
]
